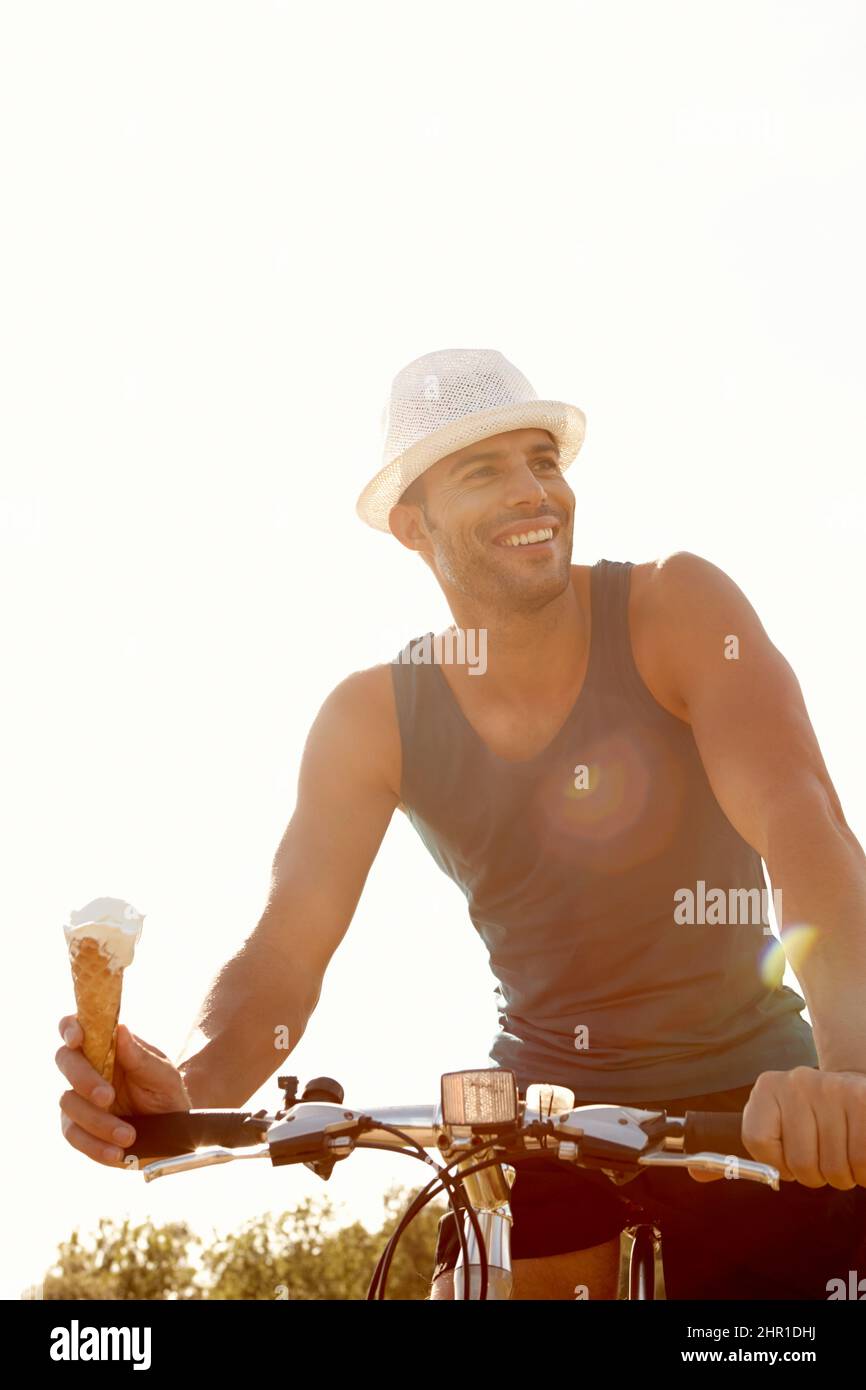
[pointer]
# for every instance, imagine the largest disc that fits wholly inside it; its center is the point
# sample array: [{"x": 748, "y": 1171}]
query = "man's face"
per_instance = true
[{"x": 505, "y": 485}]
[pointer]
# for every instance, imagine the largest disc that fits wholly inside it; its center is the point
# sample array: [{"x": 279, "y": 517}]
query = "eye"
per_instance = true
[{"x": 486, "y": 467}]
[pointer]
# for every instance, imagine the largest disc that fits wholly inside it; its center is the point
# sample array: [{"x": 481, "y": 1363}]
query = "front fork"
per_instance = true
[
  {"x": 642, "y": 1262},
  {"x": 487, "y": 1192}
]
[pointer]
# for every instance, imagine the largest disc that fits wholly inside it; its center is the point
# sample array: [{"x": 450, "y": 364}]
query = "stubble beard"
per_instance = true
[{"x": 501, "y": 587}]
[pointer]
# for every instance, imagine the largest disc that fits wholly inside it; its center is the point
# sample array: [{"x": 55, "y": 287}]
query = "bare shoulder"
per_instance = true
[
  {"x": 652, "y": 606},
  {"x": 364, "y": 706},
  {"x": 673, "y": 600},
  {"x": 682, "y": 582}
]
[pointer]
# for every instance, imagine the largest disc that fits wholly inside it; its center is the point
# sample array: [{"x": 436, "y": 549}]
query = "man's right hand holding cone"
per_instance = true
[{"x": 145, "y": 1083}]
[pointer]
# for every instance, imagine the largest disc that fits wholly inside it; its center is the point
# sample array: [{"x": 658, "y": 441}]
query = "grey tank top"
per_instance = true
[{"x": 570, "y": 879}]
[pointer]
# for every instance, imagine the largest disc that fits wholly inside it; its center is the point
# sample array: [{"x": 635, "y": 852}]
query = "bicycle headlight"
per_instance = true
[{"x": 483, "y": 1099}]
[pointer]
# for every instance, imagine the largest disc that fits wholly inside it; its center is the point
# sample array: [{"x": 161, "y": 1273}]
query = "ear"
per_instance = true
[{"x": 406, "y": 522}]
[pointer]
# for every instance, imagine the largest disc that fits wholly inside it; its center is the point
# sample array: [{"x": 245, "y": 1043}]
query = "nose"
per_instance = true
[{"x": 524, "y": 486}]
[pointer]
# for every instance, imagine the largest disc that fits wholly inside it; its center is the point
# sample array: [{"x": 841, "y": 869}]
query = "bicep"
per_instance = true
[
  {"x": 344, "y": 805},
  {"x": 756, "y": 741},
  {"x": 745, "y": 705}
]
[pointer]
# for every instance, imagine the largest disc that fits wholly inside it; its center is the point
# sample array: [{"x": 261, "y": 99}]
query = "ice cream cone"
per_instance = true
[
  {"x": 97, "y": 998},
  {"x": 101, "y": 939}
]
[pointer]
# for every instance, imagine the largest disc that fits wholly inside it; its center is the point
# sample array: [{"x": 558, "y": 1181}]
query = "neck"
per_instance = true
[{"x": 529, "y": 654}]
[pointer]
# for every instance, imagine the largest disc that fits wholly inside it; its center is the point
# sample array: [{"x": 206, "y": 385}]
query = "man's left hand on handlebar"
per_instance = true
[{"x": 809, "y": 1124}]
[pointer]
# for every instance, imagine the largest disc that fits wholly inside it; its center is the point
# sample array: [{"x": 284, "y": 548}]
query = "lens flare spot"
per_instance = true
[
  {"x": 795, "y": 944},
  {"x": 618, "y": 796}
]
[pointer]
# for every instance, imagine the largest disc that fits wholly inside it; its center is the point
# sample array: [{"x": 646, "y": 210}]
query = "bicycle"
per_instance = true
[{"x": 479, "y": 1123}]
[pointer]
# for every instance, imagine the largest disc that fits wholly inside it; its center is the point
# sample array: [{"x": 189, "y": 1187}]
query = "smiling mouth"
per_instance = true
[{"x": 542, "y": 536}]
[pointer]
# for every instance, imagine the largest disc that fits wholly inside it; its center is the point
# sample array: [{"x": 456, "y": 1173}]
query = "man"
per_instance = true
[{"x": 635, "y": 747}]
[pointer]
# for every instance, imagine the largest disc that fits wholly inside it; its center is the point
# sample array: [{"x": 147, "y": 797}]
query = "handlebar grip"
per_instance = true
[
  {"x": 717, "y": 1130},
  {"x": 183, "y": 1131}
]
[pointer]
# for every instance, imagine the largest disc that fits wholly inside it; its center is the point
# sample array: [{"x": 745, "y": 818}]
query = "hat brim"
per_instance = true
[{"x": 565, "y": 422}]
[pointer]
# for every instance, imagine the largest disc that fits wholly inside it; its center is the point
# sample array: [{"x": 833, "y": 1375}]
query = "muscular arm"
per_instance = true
[
  {"x": 764, "y": 764},
  {"x": 347, "y": 791}
]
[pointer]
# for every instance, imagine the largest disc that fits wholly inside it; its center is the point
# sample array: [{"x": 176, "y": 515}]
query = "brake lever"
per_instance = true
[
  {"x": 728, "y": 1165},
  {"x": 201, "y": 1158},
  {"x": 621, "y": 1139}
]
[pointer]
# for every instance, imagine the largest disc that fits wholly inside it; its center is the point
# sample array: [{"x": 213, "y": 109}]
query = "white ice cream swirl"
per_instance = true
[{"x": 113, "y": 923}]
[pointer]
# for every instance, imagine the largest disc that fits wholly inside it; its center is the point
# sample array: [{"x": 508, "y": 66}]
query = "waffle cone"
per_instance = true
[{"x": 97, "y": 997}]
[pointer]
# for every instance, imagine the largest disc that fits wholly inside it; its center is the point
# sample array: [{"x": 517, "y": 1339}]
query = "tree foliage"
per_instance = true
[
  {"x": 121, "y": 1261},
  {"x": 301, "y": 1254}
]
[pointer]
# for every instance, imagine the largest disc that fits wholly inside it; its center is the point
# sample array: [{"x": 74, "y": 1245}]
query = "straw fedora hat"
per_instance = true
[{"x": 445, "y": 400}]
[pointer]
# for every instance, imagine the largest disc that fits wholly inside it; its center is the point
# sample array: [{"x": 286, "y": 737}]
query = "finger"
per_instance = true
[
  {"x": 762, "y": 1131},
  {"x": 121, "y": 1028},
  {"x": 800, "y": 1138},
  {"x": 701, "y": 1175},
  {"x": 109, "y": 1155},
  {"x": 833, "y": 1140},
  {"x": 84, "y": 1078},
  {"x": 71, "y": 1031},
  {"x": 857, "y": 1143},
  {"x": 98, "y": 1123}
]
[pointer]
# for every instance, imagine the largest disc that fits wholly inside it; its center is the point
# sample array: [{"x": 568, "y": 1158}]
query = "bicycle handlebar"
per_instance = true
[
  {"x": 480, "y": 1125},
  {"x": 715, "y": 1129},
  {"x": 618, "y": 1139},
  {"x": 183, "y": 1131}
]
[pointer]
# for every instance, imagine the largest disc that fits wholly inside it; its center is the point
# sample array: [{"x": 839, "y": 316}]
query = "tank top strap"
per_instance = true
[
  {"x": 615, "y": 669},
  {"x": 610, "y": 643}
]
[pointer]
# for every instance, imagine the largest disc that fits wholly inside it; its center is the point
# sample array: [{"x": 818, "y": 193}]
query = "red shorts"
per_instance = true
[{"x": 726, "y": 1240}]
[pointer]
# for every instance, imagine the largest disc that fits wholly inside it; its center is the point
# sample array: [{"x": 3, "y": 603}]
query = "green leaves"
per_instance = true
[{"x": 301, "y": 1254}]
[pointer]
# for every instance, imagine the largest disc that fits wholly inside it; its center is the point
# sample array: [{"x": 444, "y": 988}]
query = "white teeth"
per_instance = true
[{"x": 529, "y": 537}]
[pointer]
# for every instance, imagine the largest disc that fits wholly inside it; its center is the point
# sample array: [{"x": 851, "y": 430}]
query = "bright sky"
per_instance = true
[{"x": 227, "y": 227}]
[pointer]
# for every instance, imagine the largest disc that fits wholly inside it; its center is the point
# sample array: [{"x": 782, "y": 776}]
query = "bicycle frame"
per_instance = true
[
  {"x": 488, "y": 1193},
  {"x": 642, "y": 1261}
]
